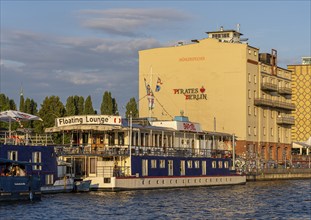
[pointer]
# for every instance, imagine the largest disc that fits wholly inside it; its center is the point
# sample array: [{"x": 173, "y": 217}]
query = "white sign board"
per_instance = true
[
  {"x": 88, "y": 120},
  {"x": 179, "y": 125}
]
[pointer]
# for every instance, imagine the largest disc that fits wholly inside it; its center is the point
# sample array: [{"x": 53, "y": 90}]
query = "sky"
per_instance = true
[{"x": 83, "y": 48}]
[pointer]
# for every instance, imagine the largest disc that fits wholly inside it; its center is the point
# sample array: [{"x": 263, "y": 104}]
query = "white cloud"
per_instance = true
[
  {"x": 131, "y": 22},
  {"x": 79, "y": 77}
]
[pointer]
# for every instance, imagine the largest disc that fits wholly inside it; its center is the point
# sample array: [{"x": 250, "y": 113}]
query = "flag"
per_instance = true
[
  {"x": 158, "y": 87},
  {"x": 151, "y": 101},
  {"x": 148, "y": 90}
]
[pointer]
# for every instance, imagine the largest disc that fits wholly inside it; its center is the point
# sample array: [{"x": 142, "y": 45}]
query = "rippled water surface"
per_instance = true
[{"x": 286, "y": 199}]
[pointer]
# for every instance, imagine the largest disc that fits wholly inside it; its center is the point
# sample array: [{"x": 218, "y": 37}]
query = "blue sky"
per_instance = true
[{"x": 84, "y": 48}]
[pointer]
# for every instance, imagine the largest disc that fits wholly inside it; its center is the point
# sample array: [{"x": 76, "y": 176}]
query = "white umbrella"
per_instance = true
[{"x": 12, "y": 115}]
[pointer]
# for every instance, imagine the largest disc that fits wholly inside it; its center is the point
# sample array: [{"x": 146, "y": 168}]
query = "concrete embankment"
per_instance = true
[{"x": 279, "y": 174}]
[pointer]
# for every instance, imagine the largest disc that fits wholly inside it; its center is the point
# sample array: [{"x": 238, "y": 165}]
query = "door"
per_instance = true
[
  {"x": 182, "y": 167},
  {"x": 170, "y": 168},
  {"x": 144, "y": 167},
  {"x": 203, "y": 167}
]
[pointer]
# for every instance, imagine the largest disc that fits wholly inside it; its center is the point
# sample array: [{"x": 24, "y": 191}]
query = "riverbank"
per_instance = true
[{"x": 280, "y": 174}]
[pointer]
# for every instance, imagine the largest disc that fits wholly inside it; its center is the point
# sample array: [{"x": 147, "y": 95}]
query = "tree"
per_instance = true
[
  {"x": 51, "y": 108},
  {"x": 115, "y": 110},
  {"x": 106, "y": 105},
  {"x": 80, "y": 105},
  {"x": 131, "y": 109},
  {"x": 70, "y": 106},
  {"x": 6, "y": 104},
  {"x": 31, "y": 108},
  {"x": 88, "y": 106}
]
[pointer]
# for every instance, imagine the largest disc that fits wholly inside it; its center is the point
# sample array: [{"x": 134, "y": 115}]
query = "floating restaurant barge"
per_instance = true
[{"x": 125, "y": 154}]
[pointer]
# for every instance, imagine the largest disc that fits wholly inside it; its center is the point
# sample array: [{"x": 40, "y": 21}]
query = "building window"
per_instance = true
[
  {"x": 249, "y": 130},
  {"x": 272, "y": 132},
  {"x": 249, "y": 110},
  {"x": 36, "y": 158},
  {"x": 162, "y": 163},
  {"x": 264, "y": 131},
  {"x": 255, "y": 53},
  {"x": 270, "y": 152},
  {"x": 92, "y": 165},
  {"x": 255, "y": 111},
  {"x": 226, "y": 164},
  {"x": 196, "y": 164},
  {"x": 213, "y": 164},
  {"x": 255, "y": 131},
  {"x": 264, "y": 113},
  {"x": 255, "y": 92},
  {"x": 49, "y": 179},
  {"x": 249, "y": 77},
  {"x": 255, "y": 79},
  {"x": 219, "y": 164},
  {"x": 272, "y": 114},
  {"x": 170, "y": 167},
  {"x": 263, "y": 149},
  {"x": 153, "y": 163},
  {"x": 189, "y": 163},
  {"x": 249, "y": 52},
  {"x": 249, "y": 94},
  {"x": 12, "y": 155}
]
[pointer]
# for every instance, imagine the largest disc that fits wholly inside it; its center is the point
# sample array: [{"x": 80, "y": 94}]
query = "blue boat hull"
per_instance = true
[{"x": 13, "y": 188}]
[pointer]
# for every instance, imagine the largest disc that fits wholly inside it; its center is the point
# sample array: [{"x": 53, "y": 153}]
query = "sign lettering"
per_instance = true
[{"x": 88, "y": 120}]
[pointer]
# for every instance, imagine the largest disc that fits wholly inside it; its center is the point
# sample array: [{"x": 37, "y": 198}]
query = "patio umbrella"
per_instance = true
[{"x": 12, "y": 115}]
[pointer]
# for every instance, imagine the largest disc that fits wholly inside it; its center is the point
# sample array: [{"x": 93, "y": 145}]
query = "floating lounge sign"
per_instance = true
[
  {"x": 88, "y": 120},
  {"x": 192, "y": 93}
]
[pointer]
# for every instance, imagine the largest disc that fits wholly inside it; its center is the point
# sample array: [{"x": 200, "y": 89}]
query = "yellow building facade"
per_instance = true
[
  {"x": 224, "y": 85},
  {"x": 301, "y": 84}
]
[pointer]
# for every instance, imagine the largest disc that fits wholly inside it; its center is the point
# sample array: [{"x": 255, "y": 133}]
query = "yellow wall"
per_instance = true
[{"x": 219, "y": 67}]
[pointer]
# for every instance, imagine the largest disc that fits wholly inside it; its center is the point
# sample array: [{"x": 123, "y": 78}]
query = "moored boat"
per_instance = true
[
  {"x": 120, "y": 154},
  {"x": 67, "y": 184},
  {"x": 82, "y": 185},
  {"x": 16, "y": 184}
]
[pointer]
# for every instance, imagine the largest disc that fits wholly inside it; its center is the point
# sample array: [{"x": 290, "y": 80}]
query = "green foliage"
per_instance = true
[
  {"x": 51, "y": 108},
  {"x": 75, "y": 105},
  {"x": 106, "y": 105},
  {"x": 131, "y": 109},
  {"x": 30, "y": 107},
  {"x": 88, "y": 107},
  {"x": 7, "y": 104},
  {"x": 80, "y": 105},
  {"x": 115, "y": 110},
  {"x": 70, "y": 106}
]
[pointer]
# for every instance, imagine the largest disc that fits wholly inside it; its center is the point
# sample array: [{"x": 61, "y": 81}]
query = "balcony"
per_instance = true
[
  {"x": 269, "y": 86},
  {"x": 285, "y": 120},
  {"x": 285, "y": 91},
  {"x": 275, "y": 104},
  {"x": 263, "y": 102},
  {"x": 284, "y": 105}
]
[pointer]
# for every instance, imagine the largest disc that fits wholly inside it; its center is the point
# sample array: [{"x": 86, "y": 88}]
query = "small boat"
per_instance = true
[
  {"x": 15, "y": 184},
  {"x": 67, "y": 184},
  {"x": 60, "y": 186},
  {"x": 82, "y": 185}
]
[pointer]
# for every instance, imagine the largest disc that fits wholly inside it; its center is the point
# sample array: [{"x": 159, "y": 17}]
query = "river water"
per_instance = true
[{"x": 285, "y": 199}]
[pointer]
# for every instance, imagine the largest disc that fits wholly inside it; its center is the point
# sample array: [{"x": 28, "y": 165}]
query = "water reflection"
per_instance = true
[{"x": 256, "y": 200}]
